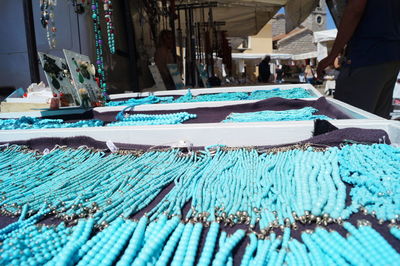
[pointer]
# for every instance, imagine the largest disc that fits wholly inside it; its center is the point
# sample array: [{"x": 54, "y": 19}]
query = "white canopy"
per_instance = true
[
  {"x": 321, "y": 38},
  {"x": 260, "y": 56},
  {"x": 275, "y": 56},
  {"x": 325, "y": 35}
]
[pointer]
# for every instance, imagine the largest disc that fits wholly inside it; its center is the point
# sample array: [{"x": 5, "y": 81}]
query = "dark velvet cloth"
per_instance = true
[
  {"x": 218, "y": 114},
  {"x": 333, "y": 138}
]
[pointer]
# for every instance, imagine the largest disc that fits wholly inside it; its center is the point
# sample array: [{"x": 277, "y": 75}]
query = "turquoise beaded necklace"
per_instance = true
[
  {"x": 295, "y": 93},
  {"x": 263, "y": 182},
  {"x": 162, "y": 119},
  {"x": 270, "y": 189},
  {"x": 306, "y": 113},
  {"x": 37, "y": 123}
]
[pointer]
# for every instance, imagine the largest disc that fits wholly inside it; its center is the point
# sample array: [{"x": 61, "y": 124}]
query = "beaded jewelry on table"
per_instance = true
[
  {"x": 284, "y": 204},
  {"x": 306, "y": 113},
  {"x": 295, "y": 93}
]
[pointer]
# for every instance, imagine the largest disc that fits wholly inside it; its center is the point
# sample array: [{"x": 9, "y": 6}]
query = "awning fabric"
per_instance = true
[
  {"x": 243, "y": 18},
  {"x": 321, "y": 38},
  {"x": 296, "y": 11},
  {"x": 325, "y": 35},
  {"x": 274, "y": 56}
]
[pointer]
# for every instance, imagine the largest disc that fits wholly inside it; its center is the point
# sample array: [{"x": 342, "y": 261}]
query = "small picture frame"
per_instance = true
[
  {"x": 59, "y": 78},
  {"x": 176, "y": 76},
  {"x": 83, "y": 75}
]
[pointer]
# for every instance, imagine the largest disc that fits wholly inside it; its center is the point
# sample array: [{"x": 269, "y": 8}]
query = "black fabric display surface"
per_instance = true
[
  {"x": 333, "y": 138},
  {"x": 218, "y": 114}
]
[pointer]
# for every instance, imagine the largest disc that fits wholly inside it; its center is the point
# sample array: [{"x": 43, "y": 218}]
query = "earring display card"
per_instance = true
[
  {"x": 83, "y": 74},
  {"x": 176, "y": 76},
  {"x": 155, "y": 72},
  {"x": 59, "y": 78},
  {"x": 203, "y": 75}
]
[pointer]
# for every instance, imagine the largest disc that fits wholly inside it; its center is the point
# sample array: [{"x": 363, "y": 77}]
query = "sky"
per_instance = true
[{"x": 329, "y": 24}]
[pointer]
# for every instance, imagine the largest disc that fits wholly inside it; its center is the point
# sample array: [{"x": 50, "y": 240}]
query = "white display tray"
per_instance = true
[
  {"x": 230, "y": 134},
  {"x": 314, "y": 92},
  {"x": 44, "y": 113},
  {"x": 351, "y": 111}
]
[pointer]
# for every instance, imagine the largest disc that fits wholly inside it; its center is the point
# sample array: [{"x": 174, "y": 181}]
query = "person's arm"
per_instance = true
[
  {"x": 336, "y": 63},
  {"x": 351, "y": 18}
]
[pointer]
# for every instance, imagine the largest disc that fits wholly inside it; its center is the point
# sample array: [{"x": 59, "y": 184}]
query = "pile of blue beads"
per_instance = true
[
  {"x": 161, "y": 119},
  {"x": 294, "y": 93},
  {"x": 265, "y": 196},
  {"x": 39, "y": 123},
  {"x": 170, "y": 241},
  {"x": 307, "y": 113},
  {"x": 267, "y": 190}
]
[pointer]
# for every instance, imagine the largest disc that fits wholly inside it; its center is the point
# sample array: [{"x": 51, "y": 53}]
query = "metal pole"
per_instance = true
[
  {"x": 192, "y": 50},
  {"x": 172, "y": 17},
  {"x": 130, "y": 30},
  {"x": 31, "y": 41}
]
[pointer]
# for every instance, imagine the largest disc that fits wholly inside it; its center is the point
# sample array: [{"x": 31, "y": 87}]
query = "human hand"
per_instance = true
[{"x": 327, "y": 61}]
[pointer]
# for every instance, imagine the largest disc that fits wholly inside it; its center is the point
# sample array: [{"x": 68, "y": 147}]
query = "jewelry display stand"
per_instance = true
[
  {"x": 59, "y": 77},
  {"x": 83, "y": 75},
  {"x": 176, "y": 76},
  {"x": 155, "y": 73}
]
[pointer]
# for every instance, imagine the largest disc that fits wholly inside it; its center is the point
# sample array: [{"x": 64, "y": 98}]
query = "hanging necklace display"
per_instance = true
[
  {"x": 110, "y": 26},
  {"x": 59, "y": 78},
  {"x": 47, "y": 20},
  {"x": 83, "y": 74},
  {"x": 99, "y": 47}
]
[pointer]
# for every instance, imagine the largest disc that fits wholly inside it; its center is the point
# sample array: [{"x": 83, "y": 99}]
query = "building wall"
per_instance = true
[
  {"x": 262, "y": 42},
  {"x": 14, "y": 64},
  {"x": 298, "y": 44},
  {"x": 317, "y": 19},
  {"x": 278, "y": 21},
  {"x": 278, "y": 25}
]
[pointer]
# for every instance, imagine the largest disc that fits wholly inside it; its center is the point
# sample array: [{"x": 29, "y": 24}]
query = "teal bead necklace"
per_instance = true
[
  {"x": 272, "y": 190},
  {"x": 375, "y": 187},
  {"x": 37, "y": 123},
  {"x": 294, "y": 93},
  {"x": 160, "y": 237},
  {"x": 99, "y": 45},
  {"x": 108, "y": 12},
  {"x": 306, "y": 113},
  {"x": 147, "y": 100},
  {"x": 162, "y": 119}
]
